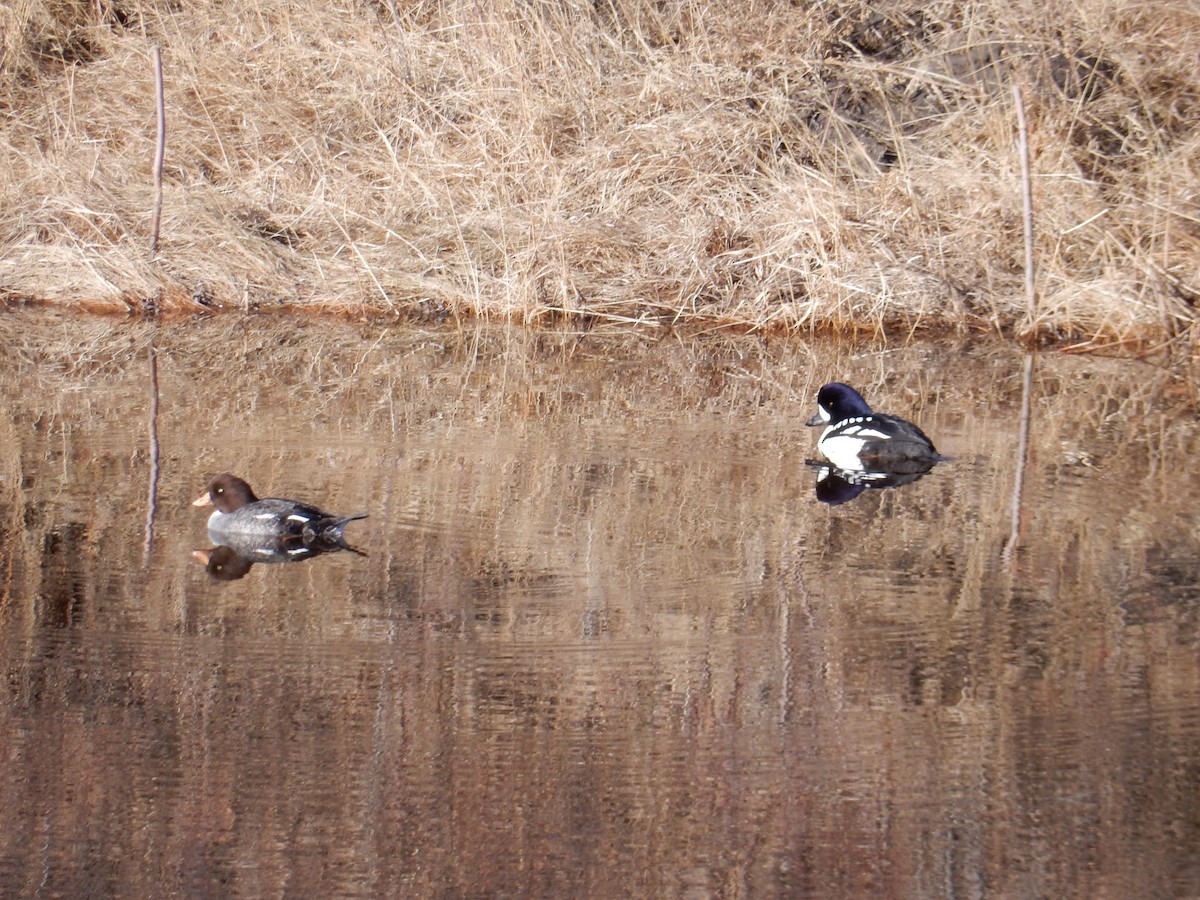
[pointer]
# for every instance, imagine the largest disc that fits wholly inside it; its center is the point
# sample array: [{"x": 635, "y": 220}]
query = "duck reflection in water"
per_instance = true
[
  {"x": 273, "y": 530},
  {"x": 865, "y": 448},
  {"x": 836, "y": 485},
  {"x": 228, "y": 562}
]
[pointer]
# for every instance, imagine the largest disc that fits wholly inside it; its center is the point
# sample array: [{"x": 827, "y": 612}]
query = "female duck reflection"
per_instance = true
[
  {"x": 250, "y": 530},
  {"x": 865, "y": 448}
]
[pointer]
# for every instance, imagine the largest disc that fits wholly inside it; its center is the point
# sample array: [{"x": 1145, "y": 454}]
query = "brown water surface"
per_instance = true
[{"x": 605, "y": 641}]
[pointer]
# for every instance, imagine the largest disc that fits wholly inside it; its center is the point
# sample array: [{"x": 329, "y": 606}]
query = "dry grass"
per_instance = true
[{"x": 818, "y": 166}]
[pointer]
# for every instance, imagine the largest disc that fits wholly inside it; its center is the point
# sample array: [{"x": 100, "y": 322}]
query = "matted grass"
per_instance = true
[{"x": 758, "y": 165}]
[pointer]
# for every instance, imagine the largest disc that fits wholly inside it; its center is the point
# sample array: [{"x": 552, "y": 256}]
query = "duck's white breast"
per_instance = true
[{"x": 842, "y": 444}]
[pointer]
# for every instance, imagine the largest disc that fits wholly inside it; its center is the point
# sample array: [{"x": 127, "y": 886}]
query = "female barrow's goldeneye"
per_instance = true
[
  {"x": 857, "y": 439},
  {"x": 240, "y": 513}
]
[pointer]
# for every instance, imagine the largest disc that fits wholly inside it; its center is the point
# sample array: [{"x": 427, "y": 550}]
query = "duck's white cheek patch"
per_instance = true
[{"x": 296, "y": 517}]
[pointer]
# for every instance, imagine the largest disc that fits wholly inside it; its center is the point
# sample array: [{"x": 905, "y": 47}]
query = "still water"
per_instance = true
[{"x": 605, "y": 641}]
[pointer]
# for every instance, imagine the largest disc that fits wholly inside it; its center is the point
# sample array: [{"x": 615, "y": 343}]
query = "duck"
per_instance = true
[
  {"x": 240, "y": 513},
  {"x": 856, "y": 439}
]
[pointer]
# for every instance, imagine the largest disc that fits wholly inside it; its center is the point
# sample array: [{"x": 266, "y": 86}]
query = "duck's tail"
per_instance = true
[{"x": 329, "y": 533}]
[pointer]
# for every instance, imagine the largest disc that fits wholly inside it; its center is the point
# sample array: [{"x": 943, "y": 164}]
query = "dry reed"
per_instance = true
[
  {"x": 840, "y": 166},
  {"x": 160, "y": 148}
]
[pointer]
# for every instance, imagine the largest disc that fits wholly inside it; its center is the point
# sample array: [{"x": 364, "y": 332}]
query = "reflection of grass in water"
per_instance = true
[
  {"x": 544, "y": 447},
  {"x": 619, "y": 163},
  {"x": 623, "y": 540}
]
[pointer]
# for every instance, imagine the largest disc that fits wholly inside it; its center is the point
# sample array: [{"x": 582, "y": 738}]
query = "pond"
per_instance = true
[{"x": 605, "y": 640}]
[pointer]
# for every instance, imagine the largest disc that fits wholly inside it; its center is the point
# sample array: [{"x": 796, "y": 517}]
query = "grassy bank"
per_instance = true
[{"x": 759, "y": 165}]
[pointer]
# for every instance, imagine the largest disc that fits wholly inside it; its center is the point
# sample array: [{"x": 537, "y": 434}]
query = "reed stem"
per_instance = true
[
  {"x": 160, "y": 150},
  {"x": 1027, "y": 198}
]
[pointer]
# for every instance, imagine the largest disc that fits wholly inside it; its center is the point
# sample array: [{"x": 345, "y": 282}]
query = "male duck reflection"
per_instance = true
[
  {"x": 866, "y": 449},
  {"x": 240, "y": 516}
]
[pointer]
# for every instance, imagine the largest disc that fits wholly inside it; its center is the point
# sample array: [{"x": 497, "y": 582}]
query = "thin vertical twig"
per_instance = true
[
  {"x": 152, "y": 500},
  {"x": 1027, "y": 197},
  {"x": 160, "y": 149}
]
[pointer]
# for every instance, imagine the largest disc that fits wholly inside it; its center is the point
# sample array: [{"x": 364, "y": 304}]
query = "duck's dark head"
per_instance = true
[
  {"x": 226, "y": 492},
  {"x": 836, "y": 402}
]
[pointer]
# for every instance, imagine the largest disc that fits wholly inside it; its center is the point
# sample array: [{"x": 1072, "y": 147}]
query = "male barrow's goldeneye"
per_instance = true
[
  {"x": 856, "y": 439},
  {"x": 240, "y": 513}
]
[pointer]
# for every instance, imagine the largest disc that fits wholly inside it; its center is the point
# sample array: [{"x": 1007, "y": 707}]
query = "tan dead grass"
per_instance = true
[{"x": 844, "y": 166}]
